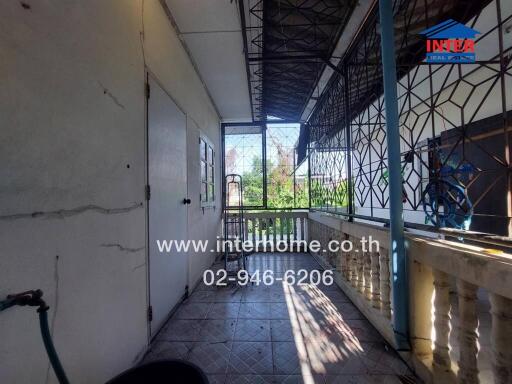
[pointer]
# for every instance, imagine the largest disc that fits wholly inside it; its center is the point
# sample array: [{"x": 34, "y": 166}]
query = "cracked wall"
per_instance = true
[{"x": 72, "y": 149}]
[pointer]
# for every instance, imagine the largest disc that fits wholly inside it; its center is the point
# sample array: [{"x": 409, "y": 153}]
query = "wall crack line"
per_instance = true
[
  {"x": 138, "y": 266},
  {"x": 122, "y": 248},
  {"x": 111, "y": 95},
  {"x": 63, "y": 213}
]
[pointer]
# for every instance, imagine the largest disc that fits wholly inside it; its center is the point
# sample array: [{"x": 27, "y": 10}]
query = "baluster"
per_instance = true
[
  {"x": 271, "y": 230},
  {"x": 260, "y": 230},
  {"x": 348, "y": 266},
  {"x": 253, "y": 220},
  {"x": 299, "y": 232},
  {"x": 246, "y": 229},
  {"x": 267, "y": 230},
  {"x": 468, "y": 333},
  {"x": 343, "y": 259},
  {"x": 288, "y": 230},
  {"x": 294, "y": 227},
  {"x": 302, "y": 222},
  {"x": 375, "y": 279},
  {"x": 367, "y": 272},
  {"x": 385, "y": 287},
  {"x": 360, "y": 267},
  {"x": 347, "y": 258},
  {"x": 281, "y": 227},
  {"x": 274, "y": 230},
  {"x": 339, "y": 261},
  {"x": 442, "y": 321},
  {"x": 353, "y": 265},
  {"x": 326, "y": 236},
  {"x": 501, "y": 338},
  {"x": 265, "y": 234}
]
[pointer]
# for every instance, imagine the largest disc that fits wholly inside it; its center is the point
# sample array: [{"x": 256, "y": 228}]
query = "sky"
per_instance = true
[{"x": 248, "y": 146}]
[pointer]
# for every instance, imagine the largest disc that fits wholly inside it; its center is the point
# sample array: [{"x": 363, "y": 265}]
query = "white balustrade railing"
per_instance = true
[
  {"x": 437, "y": 269},
  {"x": 465, "y": 270},
  {"x": 273, "y": 229}
]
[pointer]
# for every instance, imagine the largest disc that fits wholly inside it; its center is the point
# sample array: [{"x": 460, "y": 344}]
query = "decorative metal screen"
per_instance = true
[
  {"x": 285, "y": 187},
  {"x": 243, "y": 155},
  {"x": 455, "y": 123}
]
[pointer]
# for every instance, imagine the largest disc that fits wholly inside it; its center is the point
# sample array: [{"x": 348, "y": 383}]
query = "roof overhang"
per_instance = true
[{"x": 211, "y": 33}]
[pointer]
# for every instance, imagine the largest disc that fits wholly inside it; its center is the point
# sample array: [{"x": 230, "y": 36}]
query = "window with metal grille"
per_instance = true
[{"x": 207, "y": 160}]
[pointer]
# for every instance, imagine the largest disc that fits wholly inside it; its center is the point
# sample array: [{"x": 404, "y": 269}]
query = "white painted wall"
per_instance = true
[{"x": 72, "y": 118}]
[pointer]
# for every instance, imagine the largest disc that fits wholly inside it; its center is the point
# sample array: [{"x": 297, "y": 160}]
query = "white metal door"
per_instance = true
[{"x": 167, "y": 178}]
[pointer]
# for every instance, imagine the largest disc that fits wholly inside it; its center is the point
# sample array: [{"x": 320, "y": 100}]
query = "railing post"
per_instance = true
[
  {"x": 281, "y": 225},
  {"x": 306, "y": 228},
  {"x": 344, "y": 261},
  {"x": 359, "y": 255},
  {"x": 397, "y": 248},
  {"x": 246, "y": 228},
  {"x": 442, "y": 325},
  {"x": 348, "y": 144},
  {"x": 352, "y": 265},
  {"x": 367, "y": 264},
  {"x": 375, "y": 276},
  {"x": 348, "y": 266},
  {"x": 287, "y": 230},
  {"x": 421, "y": 293},
  {"x": 501, "y": 338},
  {"x": 260, "y": 229},
  {"x": 253, "y": 221},
  {"x": 274, "y": 230},
  {"x": 385, "y": 287},
  {"x": 468, "y": 333}
]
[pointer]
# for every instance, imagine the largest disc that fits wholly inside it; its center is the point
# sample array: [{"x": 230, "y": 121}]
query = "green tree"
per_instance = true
[{"x": 253, "y": 184}]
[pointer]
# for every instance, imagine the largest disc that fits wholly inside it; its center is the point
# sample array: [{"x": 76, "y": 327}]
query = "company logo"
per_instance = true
[{"x": 450, "y": 42}]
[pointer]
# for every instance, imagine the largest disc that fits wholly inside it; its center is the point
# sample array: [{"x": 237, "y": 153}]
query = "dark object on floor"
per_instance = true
[
  {"x": 162, "y": 372},
  {"x": 406, "y": 379}
]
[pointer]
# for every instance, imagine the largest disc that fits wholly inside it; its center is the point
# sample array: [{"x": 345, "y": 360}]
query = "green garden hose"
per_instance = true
[{"x": 34, "y": 299}]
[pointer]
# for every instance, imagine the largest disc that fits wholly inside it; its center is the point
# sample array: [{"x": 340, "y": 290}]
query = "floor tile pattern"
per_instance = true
[{"x": 279, "y": 333}]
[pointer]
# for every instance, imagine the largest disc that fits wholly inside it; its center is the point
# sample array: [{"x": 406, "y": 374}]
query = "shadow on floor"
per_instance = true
[{"x": 278, "y": 333}]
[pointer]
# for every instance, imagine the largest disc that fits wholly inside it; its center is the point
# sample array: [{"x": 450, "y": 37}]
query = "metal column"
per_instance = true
[
  {"x": 348, "y": 145},
  {"x": 398, "y": 257}
]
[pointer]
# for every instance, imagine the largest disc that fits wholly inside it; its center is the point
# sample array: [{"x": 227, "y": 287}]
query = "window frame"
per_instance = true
[
  {"x": 206, "y": 172},
  {"x": 263, "y": 129}
]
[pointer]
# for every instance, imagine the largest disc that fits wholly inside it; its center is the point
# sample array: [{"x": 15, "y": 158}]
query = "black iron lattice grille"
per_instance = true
[{"x": 454, "y": 120}]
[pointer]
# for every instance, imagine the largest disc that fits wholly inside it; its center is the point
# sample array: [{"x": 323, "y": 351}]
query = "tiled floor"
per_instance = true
[{"x": 279, "y": 333}]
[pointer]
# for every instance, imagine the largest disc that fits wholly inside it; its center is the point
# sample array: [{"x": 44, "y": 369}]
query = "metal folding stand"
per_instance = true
[{"x": 234, "y": 256}]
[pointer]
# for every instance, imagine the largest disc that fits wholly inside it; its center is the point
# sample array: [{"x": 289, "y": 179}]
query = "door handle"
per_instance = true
[{"x": 186, "y": 201}]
